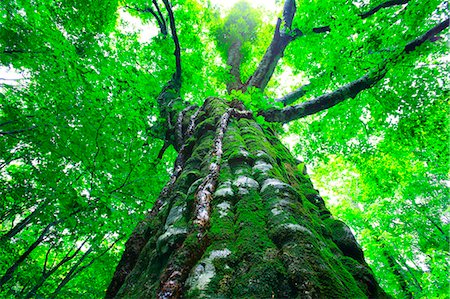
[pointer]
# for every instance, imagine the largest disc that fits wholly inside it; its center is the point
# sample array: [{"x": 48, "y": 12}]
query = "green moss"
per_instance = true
[
  {"x": 344, "y": 239},
  {"x": 225, "y": 173},
  {"x": 362, "y": 274},
  {"x": 193, "y": 293},
  {"x": 222, "y": 227},
  {"x": 215, "y": 106},
  {"x": 312, "y": 208},
  {"x": 186, "y": 178},
  {"x": 206, "y": 125},
  {"x": 262, "y": 280},
  {"x": 282, "y": 240}
]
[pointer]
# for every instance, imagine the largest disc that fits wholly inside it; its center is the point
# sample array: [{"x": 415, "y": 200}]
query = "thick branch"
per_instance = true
[
  {"x": 161, "y": 17},
  {"x": 281, "y": 38},
  {"x": 293, "y": 96},
  {"x": 429, "y": 35},
  {"x": 390, "y": 3},
  {"x": 350, "y": 90},
  {"x": 177, "y": 52},
  {"x": 321, "y": 29},
  {"x": 386, "y": 4},
  {"x": 323, "y": 102},
  {"x": 170, "y": 94}
]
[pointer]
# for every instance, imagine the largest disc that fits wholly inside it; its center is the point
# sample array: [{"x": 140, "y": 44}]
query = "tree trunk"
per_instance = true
[
  {"x": 22, "y": 224},
  {"x": 9, "y": 273},
  {"x": 239, "y": 219},
  {"x": 396, "y": 270}
]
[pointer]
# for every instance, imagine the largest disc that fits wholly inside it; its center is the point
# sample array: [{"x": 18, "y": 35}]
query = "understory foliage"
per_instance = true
[{"x": 82, "y": 139}]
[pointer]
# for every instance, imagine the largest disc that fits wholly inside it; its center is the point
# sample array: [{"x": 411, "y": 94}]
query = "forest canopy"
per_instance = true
[{"x": 358, "y": 91}]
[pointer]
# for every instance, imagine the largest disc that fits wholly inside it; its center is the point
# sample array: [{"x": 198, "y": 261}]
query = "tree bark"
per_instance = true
[
  {"x": 239, "y": 219},
  {"x": 234, "y": 61},
  {"x": 396, "y": 270}
]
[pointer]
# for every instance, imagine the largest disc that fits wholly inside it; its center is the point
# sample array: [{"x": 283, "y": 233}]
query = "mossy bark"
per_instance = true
[{"x": 268, "y": 233}]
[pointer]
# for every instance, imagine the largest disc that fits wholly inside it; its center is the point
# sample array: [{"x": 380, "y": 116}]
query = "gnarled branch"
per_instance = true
[{"x": 350, "y": 90}]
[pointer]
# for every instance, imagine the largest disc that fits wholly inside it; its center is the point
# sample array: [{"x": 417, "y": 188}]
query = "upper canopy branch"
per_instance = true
[
  {"x": 283, "y": 35},
  {"x": 281, "y": 38},
  {"x": 177, "y": 52},
  {"x": 386, "y": 4},
  {"x": 161, "y": 17},
  {"x": 170, "y": 94},
  {"x": 156, "y": 14},
  {"x": 350, "y": 90},
  {"x": 390, "y": 3},
  {"x": 291, "y": 97}
]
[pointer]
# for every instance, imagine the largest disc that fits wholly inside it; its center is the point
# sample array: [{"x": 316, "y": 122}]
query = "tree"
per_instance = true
[{"x": 239, "y": 216}]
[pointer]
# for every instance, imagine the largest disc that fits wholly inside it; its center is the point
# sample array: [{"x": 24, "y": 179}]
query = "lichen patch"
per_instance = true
[
  {"x": 262, "y": 166},
  {"x": 246, "y": 183},
  {"x": 223, "y": 208},
  {"x": 274, "y": 183},
  {"x": 175, "y": 214},
  {"x": 169, "y": 238},
  {"x": 202, "y": 274}
]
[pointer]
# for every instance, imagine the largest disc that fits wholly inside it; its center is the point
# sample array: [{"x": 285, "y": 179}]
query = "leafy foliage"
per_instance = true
[{"x": 81, "y": 131}]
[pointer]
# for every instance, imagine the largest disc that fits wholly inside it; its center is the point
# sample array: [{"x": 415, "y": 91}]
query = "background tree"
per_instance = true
[{"x": 84, "y": 130}]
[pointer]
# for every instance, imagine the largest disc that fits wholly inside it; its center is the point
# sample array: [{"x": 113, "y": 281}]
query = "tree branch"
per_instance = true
[
  {"x": 281, "y": 38},
  {"x": 177, "y": 52},
  {"x": 9, "y": 273},
  {"x": 159, "y": 20},
  {"x": 75, "y": 270},
  {"x": 390, "y": 3},
  {"x": 17, "y": 131},
  {"x": 350, "y": 90},
  {"x": 170, "y": 94},
  {"x": 293, "y": 96},
  {"x": 161, "y": 17},
  {"x": 22, "y": 224},
  {"x": 386, "y": 4},
  {"x": 323, "y": 102},
  {"x": 429, "y": 35}
]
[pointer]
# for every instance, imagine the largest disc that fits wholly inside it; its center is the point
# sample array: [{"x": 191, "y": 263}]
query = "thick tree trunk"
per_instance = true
[{"x": 239, "y": 219}]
